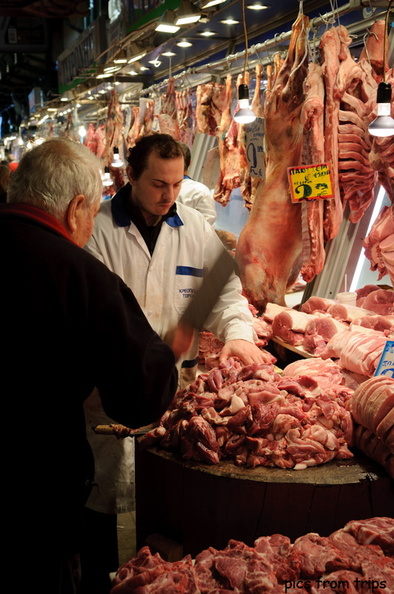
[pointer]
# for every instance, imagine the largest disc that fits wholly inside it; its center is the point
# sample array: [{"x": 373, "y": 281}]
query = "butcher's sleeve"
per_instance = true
[
  {"x": 231, "y": 318},
  {"x": 206, "y": 205}
]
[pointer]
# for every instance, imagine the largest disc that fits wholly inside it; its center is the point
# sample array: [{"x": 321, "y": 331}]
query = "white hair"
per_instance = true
[{"x": 51, "y": 174}]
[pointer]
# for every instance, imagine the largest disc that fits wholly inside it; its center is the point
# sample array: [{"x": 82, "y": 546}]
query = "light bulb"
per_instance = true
[
  {"x": 244, "y": 115},
  {"x": 116, "y": 161},
  {"x": 383, "y": 124},
  {"x": 106, "y": 177}
]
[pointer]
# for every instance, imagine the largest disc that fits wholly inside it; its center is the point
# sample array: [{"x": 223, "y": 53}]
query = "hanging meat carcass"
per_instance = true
[
  {"x": 379, "y": 243},
  {"x": 147, "y": 107},
  {"x": 113, "y": 126},
  {"x": 269, "y": 250},
  {"x": 229, "y": 152},
  {"x": 357, "y": 90},
  {"x": 168, "y": 116},
  {"x": 312, "y": 117},
  {"x": 251, "y": 182},
  {"x": 134, "y": 131},
  {"x": 210, "y": 103},
  {"x": 186, "y": 119}
]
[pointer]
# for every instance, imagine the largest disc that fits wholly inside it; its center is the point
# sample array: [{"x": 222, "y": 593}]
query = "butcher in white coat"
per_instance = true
[
  {"x": 194, "y": 193},
  {"x": 162, "y": 250}
]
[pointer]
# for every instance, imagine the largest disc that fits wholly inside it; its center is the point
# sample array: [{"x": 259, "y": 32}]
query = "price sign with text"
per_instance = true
[
  {"x": 255, "y": 148},
  {"x": 310, "y": 182},
  {"x": 386, "y": 362}
]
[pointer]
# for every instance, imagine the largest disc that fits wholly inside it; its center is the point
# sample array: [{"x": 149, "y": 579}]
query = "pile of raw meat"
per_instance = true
[
  {"x": 256, "y": 417},
  {"x": 356, "y": 558}
]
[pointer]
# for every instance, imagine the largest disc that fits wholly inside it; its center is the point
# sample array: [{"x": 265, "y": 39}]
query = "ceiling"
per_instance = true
[{"x": 28, "y": 61}]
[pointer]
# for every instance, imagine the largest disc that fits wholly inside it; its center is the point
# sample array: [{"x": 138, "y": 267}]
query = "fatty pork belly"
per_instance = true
[
  {"x": 372, "y": 408},
  {"x": 357, "y": 350},
  {"x": 254, "y": 417},
  {"x": 269, "y": 249}
]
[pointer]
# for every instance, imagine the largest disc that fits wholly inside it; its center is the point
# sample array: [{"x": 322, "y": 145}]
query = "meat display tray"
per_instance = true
[{"x": 295, "y": 349}]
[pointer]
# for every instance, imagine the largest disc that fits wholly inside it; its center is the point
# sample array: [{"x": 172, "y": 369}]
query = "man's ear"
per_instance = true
[{"x": 73, "y": 211}]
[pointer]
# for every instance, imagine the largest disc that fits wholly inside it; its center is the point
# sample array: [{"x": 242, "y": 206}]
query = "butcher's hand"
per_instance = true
[
  {"x": 246, "y": 351},
  {"x": 180, "y": 339}
]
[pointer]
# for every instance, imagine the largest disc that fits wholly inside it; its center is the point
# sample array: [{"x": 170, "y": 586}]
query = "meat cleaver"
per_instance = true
[{"x": 205, "y": 298}]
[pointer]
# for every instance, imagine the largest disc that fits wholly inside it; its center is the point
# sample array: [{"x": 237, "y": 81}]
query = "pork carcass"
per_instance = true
[
  {"x": 312, "y": 117},
  {"x": 331, "y": 52},
  {"x": 229, "y": 153},
  {"x": 269, "y": 249},
  {"x": 357, "y": 89},
  {"x": 381, "y": 233}
]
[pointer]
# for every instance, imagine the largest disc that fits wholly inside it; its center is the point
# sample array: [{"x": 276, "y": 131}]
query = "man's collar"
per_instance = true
[
  {"x": 34, "y": 213},
  {"x": 122, "y": 217}
]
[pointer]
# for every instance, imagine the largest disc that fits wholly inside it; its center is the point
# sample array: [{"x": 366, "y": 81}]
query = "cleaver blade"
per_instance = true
[{"x": 207, "y": 295}]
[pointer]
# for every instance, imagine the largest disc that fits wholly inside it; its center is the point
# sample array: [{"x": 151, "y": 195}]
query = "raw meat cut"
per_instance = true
[
  {"x": 355, "y": 559},
  {"x": 290, "y": 326},
  {"x": 318, "y": 332},
  {"x": 269, "y": 249},
  {"x": 356, "y": 350},
  {"x": 380, "y": 302}
]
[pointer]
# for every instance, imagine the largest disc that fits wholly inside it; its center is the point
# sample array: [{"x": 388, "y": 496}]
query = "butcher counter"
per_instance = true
[{"x": 190, "y": 506}]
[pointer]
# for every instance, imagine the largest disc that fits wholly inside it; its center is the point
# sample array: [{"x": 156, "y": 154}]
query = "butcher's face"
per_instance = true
[{"x": 157, "y": 188}]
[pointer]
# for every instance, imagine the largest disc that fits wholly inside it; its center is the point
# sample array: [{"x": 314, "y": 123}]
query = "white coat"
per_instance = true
[
  {"x": 163, "y": 284},
  {"x": 198, "y": 196}
]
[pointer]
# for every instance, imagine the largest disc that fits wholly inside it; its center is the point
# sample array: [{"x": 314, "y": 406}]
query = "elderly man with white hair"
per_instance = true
[{"x": 68, "y": 324}]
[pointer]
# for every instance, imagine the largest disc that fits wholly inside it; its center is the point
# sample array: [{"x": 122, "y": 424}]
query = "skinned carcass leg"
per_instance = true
[{"x": 269, "y": 250}]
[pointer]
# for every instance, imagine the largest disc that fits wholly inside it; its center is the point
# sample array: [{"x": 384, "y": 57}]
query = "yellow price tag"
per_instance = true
[{"x": 310, "y": 182}]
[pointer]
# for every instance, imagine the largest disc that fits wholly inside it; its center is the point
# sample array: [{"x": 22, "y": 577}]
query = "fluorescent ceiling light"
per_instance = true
[
  {"x": 168, "y": 54},
  {"x": 229, "y": 22},
  {"x": 137, "y": 57},
  {"x": 121, "y": 58},
  {"x": 184, "y": 43},
  {"x": 257, "y": 6},
  {"x": 167, "y": 23},
  {"x": 187, "y": 13},
  {"x": 111, "y": 68},
  {"x": 212, "y": 3},
  {"x": 207, "y": 33}
]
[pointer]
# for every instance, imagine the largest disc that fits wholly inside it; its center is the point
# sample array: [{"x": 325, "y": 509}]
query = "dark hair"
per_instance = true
[
  {"x": 187, "y": 154},
  {"x": 162, "y": 144}
]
